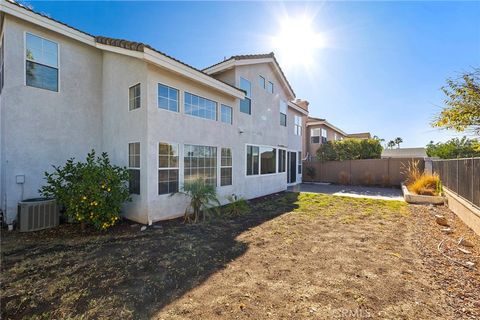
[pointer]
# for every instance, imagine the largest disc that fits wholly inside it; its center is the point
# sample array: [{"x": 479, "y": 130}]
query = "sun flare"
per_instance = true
[{"x": 297, "y": 41}]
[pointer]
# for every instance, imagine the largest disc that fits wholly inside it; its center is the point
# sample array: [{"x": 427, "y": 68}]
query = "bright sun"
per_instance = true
[{"x": 297, "y": 41}]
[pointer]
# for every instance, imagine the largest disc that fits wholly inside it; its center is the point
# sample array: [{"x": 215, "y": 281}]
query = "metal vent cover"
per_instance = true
[{"x": 38, "y": 214}]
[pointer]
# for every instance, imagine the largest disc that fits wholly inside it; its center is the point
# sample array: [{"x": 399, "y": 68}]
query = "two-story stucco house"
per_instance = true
[{"x": 65, "y": 92}]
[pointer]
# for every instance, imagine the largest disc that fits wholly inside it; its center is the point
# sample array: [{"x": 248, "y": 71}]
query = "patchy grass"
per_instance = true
[{"x": 292, "y": 256}]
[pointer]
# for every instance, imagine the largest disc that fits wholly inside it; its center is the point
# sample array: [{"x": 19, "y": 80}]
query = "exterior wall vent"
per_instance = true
[{"x": 37, "y": 214}]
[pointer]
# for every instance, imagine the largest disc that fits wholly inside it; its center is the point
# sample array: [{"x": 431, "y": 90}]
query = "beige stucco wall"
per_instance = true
[{"x": 41, "y": 128}]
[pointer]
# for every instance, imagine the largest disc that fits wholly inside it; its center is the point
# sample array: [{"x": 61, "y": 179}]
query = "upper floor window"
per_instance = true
[
  {"x": 315, "y": 135},
  {"x": 167, "y": 98},
  {"x": 134, "y": 167},
  {"x": 324, "y": 135},
  {"x": 246, "y": 104},
  {"x": 41, "y": 63},
  {"x": 283, "y": 113},
  {"x": 200, "y": 107},
  {"x": 261, "y": 82},
  {"x": 270, "y": 87},
  {"x": 226, "y": 114},
  {"x": 298, "y": 125},
  {"x": 134, "y": 97}
]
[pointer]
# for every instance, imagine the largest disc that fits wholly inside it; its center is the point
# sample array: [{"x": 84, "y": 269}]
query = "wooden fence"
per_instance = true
[{"x": 369, "y": 172}]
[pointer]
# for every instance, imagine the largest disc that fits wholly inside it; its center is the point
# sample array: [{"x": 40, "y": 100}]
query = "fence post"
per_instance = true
[
  {"x": 458, "y": 193},
  {"x": 473, "y": 175}
]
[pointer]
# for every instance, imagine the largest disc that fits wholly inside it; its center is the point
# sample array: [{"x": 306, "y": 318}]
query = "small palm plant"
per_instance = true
[{"x": 203, "y": 200}]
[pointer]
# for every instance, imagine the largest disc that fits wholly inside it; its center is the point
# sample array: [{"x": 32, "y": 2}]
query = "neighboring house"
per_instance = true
[
  {"x": 404, "y": 153},
  {"x": 66, "y": 92},
  {"x": 320, "y": 131}
]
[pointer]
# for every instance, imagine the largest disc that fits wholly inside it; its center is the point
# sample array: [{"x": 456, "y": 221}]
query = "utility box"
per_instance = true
[{"x": 38, "y": 214}]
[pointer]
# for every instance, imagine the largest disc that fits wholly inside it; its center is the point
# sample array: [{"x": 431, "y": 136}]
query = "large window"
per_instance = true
[
  {"x": 167, "y": 168},
  {"x": 167, "y": 98},
  {"x": 270, "y": 87},
  {"x": 283, "y": 113},
  {"x": 324, "y": 135},
  {"x": 298, "y": 125},
  {"x": 246, "y": 104},
  {"x": 41, "y": 63},
  {"x": 226, "y": 114},
  {"x": 200, "y": 107},
  {"x": 226, "y": 167},
  {"x": 268, "y": 160},
  {"x": 252, "y": 160},
  {"x": 315, "y": 135},
  {"x": 282, "y": 160},
  {"x": 200, "y": 162},
  {"x": 134, "y": 97},
  {"x": 134, "y": 167}
]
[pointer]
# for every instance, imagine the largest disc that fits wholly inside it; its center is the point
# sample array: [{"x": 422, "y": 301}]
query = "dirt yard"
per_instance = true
[{"x": 294, "y": 256}]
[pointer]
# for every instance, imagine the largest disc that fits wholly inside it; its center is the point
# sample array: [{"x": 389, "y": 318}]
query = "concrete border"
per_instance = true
[
  {"x": 469, "y": 214},
  {"x": 420, "y": 199}
]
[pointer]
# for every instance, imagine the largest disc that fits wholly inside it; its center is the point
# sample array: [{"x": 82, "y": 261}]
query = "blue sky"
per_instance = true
[{"x": 380, "y": 70}]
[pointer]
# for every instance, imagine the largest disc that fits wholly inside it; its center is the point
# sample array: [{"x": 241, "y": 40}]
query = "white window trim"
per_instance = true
[
  {"x": 180, "y": 165},
  {"x": 222, "y": 167},
  {"x": 25, "y": 61},
  {"x": 220, "y": 118},
  {"x": 200, "y": 96},
  {"x": 128, "y": 97},
  {"x": 260, "y": 161},
  {"x": 180, "y": 99}
]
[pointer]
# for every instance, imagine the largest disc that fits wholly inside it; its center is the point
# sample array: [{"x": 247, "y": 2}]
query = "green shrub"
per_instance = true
[
  {"x": 454, "y": 148},
  {"x": 350, "y": 149},
  {"x": 203, "y": 200},
  {"x": 236, "y": 206},
  {"x": 92, "y": 191},
  {"x": 310, "y": 172}
]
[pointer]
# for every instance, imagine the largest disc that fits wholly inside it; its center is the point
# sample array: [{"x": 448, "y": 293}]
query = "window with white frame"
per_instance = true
[
  {"x": 226, "y": 167},
  {"x": 261, "y": 82},
  {"x": 226, "y": 114},
  {"x": 324, "y": 135},
  {"x": 298, "y": 125},
  {"x": 268, "y": 160},
  {"x": 252, "y": 160},
  {"x": 283, "y": 113},
  {"x": 200, "y": 162},
  {"x": 134, "y": 167},
  {"x": 315, "y": 135},
  {"x": 270, "y": 87},
  {"x": 282, "y": 160},
  {"x": 167, "y": 168},
  {"x": 246, "y": 104},
  {"x": 200, "y": 107},
  {"x": 41, "y": 63},
  {"x": 134, "y": 97},
  {"x": 167, "y": 98}
]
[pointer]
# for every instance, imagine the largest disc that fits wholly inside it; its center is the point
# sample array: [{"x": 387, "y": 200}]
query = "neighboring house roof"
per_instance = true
[
  {"x": 361, "y": 135},
  {"x": 404, "y": 153},
  {"x": 151, "y": 54},
  {"x": 311, "y": 121},
  {"x": 298, "y": 108},
  {"x": 251, "y": 59}
]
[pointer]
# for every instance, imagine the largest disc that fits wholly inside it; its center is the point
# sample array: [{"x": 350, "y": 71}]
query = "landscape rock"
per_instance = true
[
  {"x": 143, "y": 228},
  {"x": 464, "y": 242},
  {"x": 441, "y": 220},
  {"x": 464, "y": 251},
  {"x": 447, "y": 230},
  {"x": 470, "y": 264}
]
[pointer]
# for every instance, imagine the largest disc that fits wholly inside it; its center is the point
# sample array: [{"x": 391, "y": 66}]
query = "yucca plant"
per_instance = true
[
  {"x": 236, "y": 206},
  {"x": 203, "y": 200}
]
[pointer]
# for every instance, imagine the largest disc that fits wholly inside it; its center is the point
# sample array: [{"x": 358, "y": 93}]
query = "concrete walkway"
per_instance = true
[{"x": 350, "y": 191}]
